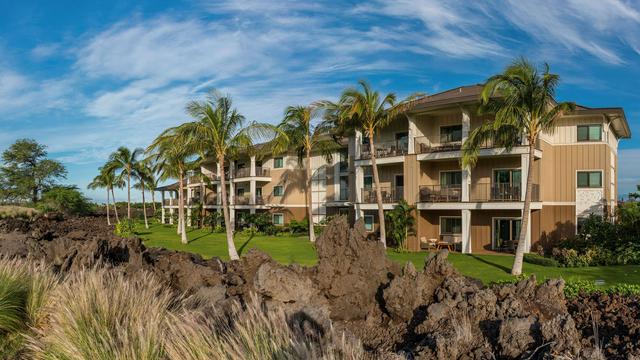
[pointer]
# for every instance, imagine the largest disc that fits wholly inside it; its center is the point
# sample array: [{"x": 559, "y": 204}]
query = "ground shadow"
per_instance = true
[
  {"x": 498, "y": 266},
  {"x": 244, "y": 244}
]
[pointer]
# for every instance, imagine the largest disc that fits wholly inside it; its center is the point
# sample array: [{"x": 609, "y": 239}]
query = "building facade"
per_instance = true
[{"x": 419, "y": 160}]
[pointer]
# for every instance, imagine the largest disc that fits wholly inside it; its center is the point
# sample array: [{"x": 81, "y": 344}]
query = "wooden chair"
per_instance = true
[
  {"x": 428, "y": 244},
  {"x": 446, "y": 241}
]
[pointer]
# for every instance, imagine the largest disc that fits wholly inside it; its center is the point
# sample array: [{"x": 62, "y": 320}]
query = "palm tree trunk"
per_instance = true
[
  {"x": 526, "y": 215},
  {"x": 153, "y": 200},
  {"x": 115, "y": 206},
  {"x": 181, "y": 221},
  {"x": 129, "y": 195},
  {"x": 376, "y": 181},
  {"x": 233, "y": 253},
  {"x": 144, "y": 207},
  {"x": 108, "y": 217},
  {"x": 312, "y": 234}
]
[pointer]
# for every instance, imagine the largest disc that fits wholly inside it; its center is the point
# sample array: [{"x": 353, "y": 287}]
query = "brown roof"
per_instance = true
[{"x": 460, "y": 94}]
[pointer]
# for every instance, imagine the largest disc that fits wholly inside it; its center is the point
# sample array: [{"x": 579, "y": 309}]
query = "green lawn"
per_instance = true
[{"x": 297, "y": 249}]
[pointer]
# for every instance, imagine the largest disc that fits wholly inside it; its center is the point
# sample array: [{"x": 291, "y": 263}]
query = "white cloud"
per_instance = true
[{"x": 44, "y": 51}]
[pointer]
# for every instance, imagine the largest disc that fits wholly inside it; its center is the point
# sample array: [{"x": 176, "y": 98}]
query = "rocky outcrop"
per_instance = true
[{"x": 396, "y": 312}]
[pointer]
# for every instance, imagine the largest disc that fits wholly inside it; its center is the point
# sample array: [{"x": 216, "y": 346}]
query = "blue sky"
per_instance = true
[{"x": 84, "y": 77}]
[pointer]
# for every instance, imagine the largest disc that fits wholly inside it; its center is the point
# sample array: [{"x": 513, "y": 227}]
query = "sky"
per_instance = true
[{"x": 85, "y": 77}]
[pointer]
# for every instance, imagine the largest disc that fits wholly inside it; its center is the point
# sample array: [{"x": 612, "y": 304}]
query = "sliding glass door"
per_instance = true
[{"x": 506, "y": 232}]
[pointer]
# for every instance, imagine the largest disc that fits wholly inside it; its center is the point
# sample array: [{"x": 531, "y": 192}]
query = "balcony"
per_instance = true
[
  {"x": 424, "y": 146},
  {"x": 480, "y": 192},
  {"x": 440, "y": 193},
  {"x": 385, "y": 149},
  {"x": 389, "y": 195},
  {"x": 246, "y": 172}
]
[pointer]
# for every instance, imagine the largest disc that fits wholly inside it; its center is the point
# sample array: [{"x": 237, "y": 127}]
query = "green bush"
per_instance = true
[
  {"x": 573, "y": 288},
  {"x": 125, "y": 228},
  {"x": 298, "y": 227},
  {"x": 536, "y": 259},
  {"x": 10, "y": 211},
  {"x": 65, "y": 199}
]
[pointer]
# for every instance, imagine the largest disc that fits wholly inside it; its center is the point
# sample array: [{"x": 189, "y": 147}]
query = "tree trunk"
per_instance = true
[
  {"x": 233, "y": 254},
  {"x": 144, "y": 207},
  {"x": 526, "y": 215},
  {"x": 115, "y": 206},
  {"x": 34, "y": 195},
  {"x": 129, "y": 195},
  {"x": 153, "y": 200},
  {"x": 108, "y": 217},
  {"x": 181, "y": 221},
  {"x": 376, "y": 181},
  {"x": 312, "y": 234}
]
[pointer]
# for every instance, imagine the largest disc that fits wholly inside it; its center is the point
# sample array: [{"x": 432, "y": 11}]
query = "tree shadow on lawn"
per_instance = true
[
  {"x": 244, "y": 244},
  {"x": 495, "y": 265}
]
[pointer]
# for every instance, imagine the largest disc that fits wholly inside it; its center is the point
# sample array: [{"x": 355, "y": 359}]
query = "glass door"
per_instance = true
[
  {"x": 505, "y": 234},
  {"x": 506, "y": 184}
]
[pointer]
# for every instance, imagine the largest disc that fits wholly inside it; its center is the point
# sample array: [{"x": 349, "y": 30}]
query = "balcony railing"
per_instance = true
[
  {"x": 389, "y": 195},
  {"x": 246, "y": 172},
  {"x": 242, "y": 200},
  {"x": 385, "y": 149},
  {"x": 170, "y": 202},
  {"x": 480, "y": 192},
  {"x": 440, "y": 193},
  {"x": 424, "y": 146}
]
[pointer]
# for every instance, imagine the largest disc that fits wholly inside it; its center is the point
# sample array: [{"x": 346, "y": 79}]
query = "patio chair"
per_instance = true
[
  {"x": 428, "y": 244},
  {"x": 446, "y": 242}
]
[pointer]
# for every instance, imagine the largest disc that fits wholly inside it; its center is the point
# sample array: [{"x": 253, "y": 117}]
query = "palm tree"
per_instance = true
[
  {"x": 299, "y": 131},
  {"x": 113, "y": 181},
  {"x": 169, "y": 152},
  {"x": 522, "y": 100},
  {"x": 99, "y": 182},
  {"x": 142, "y": 171},
  {"x": 125, "y": 160},
  {"x": 363, "y": 109},
  {"x": 219, "y": 129}
]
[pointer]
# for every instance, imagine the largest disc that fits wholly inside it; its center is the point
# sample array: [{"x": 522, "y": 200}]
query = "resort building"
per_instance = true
[{"x": 419, "y": 159}]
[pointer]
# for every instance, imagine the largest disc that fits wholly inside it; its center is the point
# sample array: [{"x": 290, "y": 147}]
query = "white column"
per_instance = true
[
  {"x": 252, "y": 192},
  {"x": 413, "y": 133},
  {"x": 359, "y": 183},
  {"x": 358, "y": 211},
  {"x": 189, "y": 216},
  {"x": 466, "y": 231},
  {"x": 252, "y": 171},
  {"x": 466, "y": 172},
  {"x": 171, "y": 216},
  {"x": 162, "y": 209},
  {"x": 358, "y": 143},
  {"x": 336, "y": 176},
  {"x": 524, "y": 173}
]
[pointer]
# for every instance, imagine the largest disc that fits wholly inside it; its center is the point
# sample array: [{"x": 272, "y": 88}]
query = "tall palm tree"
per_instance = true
[
  {"x": 142, "y": 172},
  {"x": 301, "y": 130},
  {"x": 365, "y": 110},
  {"x": 219, "y": 129},
  {"x": 522, "y": 99},
  {"x": 99, "y": 182},
  {"x": 113, "y": 181},
  {"x": 170, "y": 153},
  {"x": 125, "y": 161}
]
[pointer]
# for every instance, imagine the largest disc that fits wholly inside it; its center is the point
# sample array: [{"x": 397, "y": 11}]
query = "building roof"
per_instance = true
[{"x": 471, "y": 94}]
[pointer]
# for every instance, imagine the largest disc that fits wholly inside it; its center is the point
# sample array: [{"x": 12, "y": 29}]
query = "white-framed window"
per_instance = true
[
  {"x": 589, "y": 179},
  {"x": 590, "y": 132},
  {"x": 278, "y": 219},
  {"x": 450, "y": 225},
  {"x": 449, "y": 134},
  {"x": 278, "y": 190},
  {"x": 368, "y": 222},
  {"x": 278, "y": 163}
]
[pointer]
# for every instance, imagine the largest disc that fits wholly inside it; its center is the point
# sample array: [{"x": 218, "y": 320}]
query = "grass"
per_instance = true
[
  {"x": 10, "y": 211},
  {"x": 297, "y": 249}
]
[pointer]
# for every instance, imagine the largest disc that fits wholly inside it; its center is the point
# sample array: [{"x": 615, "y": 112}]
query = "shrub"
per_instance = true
[
  {"x": 65, "y": 199},
  {"x": 574, "y": 288},
  {"x": 254, "y": 333},
  {"x": 533, "y": 258},
  {"x": 104, "y": 314},
  {"x": 298, "y": 227},
  {"x": 125, "y": 228}
]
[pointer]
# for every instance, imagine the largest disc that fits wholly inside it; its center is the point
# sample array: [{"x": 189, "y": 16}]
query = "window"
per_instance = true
[
  {"x": 506, "y": 233},
  {"x": 368, "y": 222},
  {"x": 344, "y": 160},
  {"x": 581, "y": 222},
  {"x": 507, "y": 176},
  {"x": 450, "y": 134},
  {"x": 278, "y": 163},
  {"x": 451, "y": 179},
  {"x": 344, "y": 187},
  {"x": 343, "y": 211},
  {"x": 368, "y": 181},
  {"x": 451, "y": 225},
  {"x": 278, "y": 190},
  {"x": 589, "y": 179},
  {"x": 402, "y": 141},
  {"x": 278, "y": 219},
  {"x": 259, "y": 192},
  {"x": 589, "y": 132},
  {"x": 240, "y": 192}
]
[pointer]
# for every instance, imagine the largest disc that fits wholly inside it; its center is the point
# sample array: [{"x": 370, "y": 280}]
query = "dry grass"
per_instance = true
[
  {"x": 253, "y": 333},
  {"x": 12, "y": 211},
  {"x": 104, "y": 314}
]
